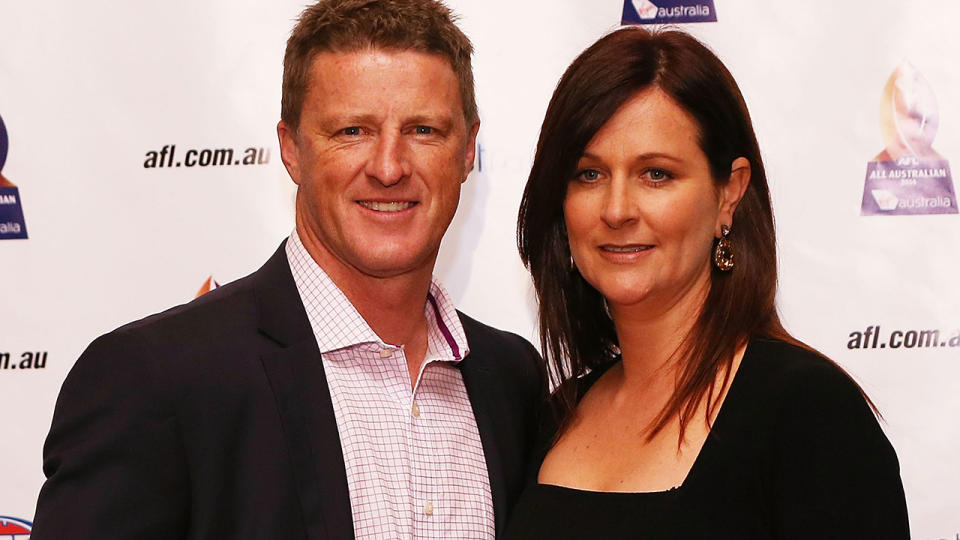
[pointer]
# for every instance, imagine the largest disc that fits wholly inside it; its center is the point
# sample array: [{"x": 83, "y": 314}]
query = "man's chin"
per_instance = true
[{"x": 387, "y": 265}]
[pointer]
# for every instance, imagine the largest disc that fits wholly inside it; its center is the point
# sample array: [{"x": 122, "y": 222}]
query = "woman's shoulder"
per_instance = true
[
  {"x": 574, "y": 388},
  {"x": 789, "y": 369},
  {"x": 822, "y": 442},
  {"x": 793, "y": 388},
  {"x": 586, "y": 381},
  {"x": 564, "y": 398}
]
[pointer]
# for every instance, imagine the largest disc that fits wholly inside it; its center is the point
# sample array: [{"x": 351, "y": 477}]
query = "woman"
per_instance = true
[{"x": 684, "y": 410}]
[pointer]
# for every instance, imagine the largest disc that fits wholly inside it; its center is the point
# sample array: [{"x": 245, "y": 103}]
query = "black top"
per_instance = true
[{"x": 795, "y": 452}]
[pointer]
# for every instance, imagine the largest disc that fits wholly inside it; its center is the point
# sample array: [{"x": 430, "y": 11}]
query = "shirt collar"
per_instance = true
[{"x": 337, "y": 324}]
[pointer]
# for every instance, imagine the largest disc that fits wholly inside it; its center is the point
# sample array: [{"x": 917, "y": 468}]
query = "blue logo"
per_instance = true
[
  {"x": 16, "y": 529},
  {"x": 668, "y": 11},
  {"x": 12, "y": 224}
]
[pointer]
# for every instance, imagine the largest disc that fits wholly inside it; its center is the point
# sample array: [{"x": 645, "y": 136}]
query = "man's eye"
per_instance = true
[
  {"x": 352, "y": 130},
  {"x": 424, "y": 130}
]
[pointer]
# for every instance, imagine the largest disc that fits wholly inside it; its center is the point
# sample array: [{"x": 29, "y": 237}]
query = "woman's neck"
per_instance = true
[{"x": 652, "y": 335}]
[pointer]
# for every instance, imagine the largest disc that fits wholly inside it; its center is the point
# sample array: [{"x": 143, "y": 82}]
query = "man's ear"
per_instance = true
[
  {"x": 289, "y": 150},
  {"x": 471, "y": 150},
  {"x": 732, "y": 192}
]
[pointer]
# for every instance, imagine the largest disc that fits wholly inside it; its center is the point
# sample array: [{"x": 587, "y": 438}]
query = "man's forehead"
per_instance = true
[
  {"x": 406, "y": 81},
  {"x": 374, "y": 57}
]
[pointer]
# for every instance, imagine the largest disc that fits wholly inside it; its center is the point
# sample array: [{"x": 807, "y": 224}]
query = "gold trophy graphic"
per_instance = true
[{"x": 908, "y": 176}]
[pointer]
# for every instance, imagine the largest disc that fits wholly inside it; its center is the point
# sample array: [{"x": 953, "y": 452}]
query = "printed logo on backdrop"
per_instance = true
[
  {"x": 908, "y": 176},
  {"x": 12, "y": 224},
  {"x": 169, "y": 157},
  {"x": 875, "y": 337},
  {"x": 25, "y": 361},
  {"x": 208, "y": 285},
  {"x": 14, "y": 528},
  {"x": 667, "y": 11}
]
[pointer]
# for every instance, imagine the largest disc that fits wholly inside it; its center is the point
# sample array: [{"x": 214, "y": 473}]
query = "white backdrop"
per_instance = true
[{"x": 87, "y": 89}]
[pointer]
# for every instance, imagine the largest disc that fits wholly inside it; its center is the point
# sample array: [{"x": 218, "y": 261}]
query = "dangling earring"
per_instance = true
[
  {"x": 573, "y": 265},
  {"x": 723, "y": 252}
]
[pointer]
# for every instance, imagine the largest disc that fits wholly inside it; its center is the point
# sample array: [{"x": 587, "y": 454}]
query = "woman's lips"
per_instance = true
[
  {"x": 624, "y": 253},
  {"x": 629, "y": 248}
]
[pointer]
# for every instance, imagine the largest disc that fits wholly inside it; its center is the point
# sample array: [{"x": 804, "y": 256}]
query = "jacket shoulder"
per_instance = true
[
  {"x": 485, "y": 335},
  {"x": 500, "y": 345},
  {"x": 508, "y": 351},
  {"x": 216, "y": 311}
]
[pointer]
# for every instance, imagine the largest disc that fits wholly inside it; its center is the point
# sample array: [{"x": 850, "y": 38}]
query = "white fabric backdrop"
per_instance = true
[{"x": 87, "y": 89}]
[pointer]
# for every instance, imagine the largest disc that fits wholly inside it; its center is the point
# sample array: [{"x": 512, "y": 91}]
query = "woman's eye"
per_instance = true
[
  {"x": 588, "y": 175},
  {"x": 658, "y": 175}
]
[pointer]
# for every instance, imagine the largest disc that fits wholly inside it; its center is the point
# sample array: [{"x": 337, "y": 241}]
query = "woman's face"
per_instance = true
[{"x": 642, "y": 210}]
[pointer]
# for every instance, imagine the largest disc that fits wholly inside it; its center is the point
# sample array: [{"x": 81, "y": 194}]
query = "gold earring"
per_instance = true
[{"x": 723, "y": 251}]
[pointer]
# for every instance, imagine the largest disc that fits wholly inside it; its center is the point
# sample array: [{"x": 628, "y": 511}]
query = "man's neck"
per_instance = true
[{"x": 392, "y": 306}]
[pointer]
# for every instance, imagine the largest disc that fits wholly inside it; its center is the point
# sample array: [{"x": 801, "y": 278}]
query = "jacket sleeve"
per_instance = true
[
  {"x": 113, "y": 459},
  {"x": 837, "y": 475}
]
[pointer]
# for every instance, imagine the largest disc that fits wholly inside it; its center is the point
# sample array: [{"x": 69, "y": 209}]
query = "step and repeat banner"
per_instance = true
[{"x": 139, "y": 168}]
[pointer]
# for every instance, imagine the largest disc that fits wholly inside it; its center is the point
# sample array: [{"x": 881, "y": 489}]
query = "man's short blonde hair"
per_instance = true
[{"x": 351, "y": 25}]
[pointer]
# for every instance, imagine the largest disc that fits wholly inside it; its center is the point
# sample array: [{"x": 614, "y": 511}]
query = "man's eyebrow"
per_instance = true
[
  {"x": 442, "y": 120},
  {"x": 348, "y": 119}
]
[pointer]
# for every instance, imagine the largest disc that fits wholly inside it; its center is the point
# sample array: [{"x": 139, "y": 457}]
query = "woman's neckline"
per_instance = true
[
  {"x": 732, "y": 394},
  {"x": 671, "y": 491}
]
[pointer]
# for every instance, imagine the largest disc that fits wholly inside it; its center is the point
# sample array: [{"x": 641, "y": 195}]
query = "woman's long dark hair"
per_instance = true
[{"x": 576, "y": 331}]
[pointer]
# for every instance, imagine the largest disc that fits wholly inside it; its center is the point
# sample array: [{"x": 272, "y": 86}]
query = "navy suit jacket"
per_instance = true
[{"x": 213, "y": 420}]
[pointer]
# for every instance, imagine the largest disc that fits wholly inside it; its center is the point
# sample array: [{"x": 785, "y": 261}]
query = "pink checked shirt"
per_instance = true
[{"x": 414, "y": 460}]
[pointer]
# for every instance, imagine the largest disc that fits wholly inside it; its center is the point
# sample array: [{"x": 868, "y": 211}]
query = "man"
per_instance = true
[{"x": 334, "y": 393}]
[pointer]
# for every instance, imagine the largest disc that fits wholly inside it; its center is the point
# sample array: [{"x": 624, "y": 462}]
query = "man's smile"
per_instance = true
[{"x": 387, "y": 206}]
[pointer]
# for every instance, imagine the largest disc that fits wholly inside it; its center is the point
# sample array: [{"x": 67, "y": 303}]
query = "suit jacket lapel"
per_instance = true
[
  {"x": 295, "y": 371},
  {"x": 480, "y": 381}
]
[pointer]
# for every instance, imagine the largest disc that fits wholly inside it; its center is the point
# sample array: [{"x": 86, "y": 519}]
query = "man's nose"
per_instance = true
[{"x": 388, "y": 164}]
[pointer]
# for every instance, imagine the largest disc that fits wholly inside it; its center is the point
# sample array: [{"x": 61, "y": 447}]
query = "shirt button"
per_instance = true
[
  {"x": 428, "y": 508},
  {"x": 415, "y": 410},
  {"x": 386, "y": 353}
]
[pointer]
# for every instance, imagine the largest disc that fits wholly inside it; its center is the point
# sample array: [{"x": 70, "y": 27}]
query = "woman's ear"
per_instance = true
[{"x": 732, "y": 192}]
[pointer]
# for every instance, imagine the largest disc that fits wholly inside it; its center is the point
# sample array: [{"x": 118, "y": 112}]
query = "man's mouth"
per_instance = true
[{"x": 387, "y": 206}]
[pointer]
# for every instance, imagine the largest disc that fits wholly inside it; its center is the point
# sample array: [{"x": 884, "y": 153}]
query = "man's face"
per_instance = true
[{"x": 379, "y": 157}]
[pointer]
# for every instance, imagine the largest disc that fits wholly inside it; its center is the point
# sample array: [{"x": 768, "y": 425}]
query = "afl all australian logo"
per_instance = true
[
  {"x": 11, "y": 212},
  {"x": 667, "y": 11},
  {"x": 908, "y": 176},
  {"x": 15, "y": 529}
]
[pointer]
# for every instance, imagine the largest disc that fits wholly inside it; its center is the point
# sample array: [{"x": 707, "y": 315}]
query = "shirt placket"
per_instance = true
[
  {"x": 397, "y": 393},
  {"x": 426, "y": 508}
]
